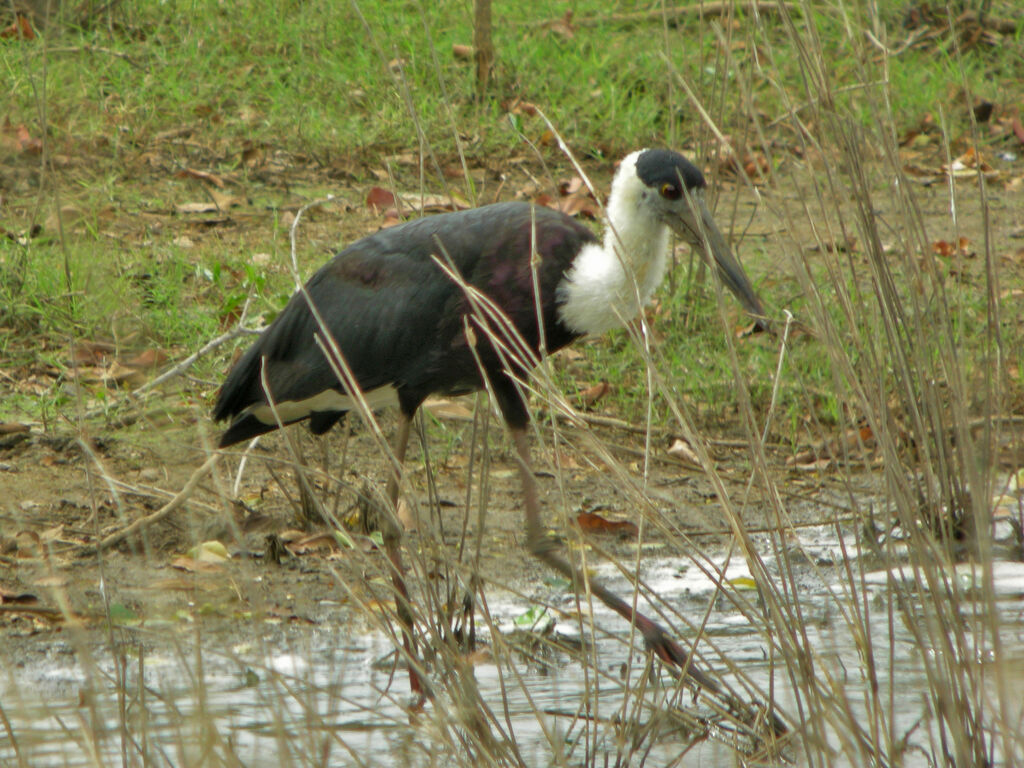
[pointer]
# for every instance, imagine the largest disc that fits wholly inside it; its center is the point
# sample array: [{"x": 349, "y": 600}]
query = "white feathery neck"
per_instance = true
[{"x": 610, "y": 283}]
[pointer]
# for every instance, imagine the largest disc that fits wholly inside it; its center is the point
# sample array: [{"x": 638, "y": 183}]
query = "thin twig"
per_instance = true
[
  {"x": 184, "y": 365},
  {"x": 172, "y": 505},
  {"x": 98, "y": 49}
]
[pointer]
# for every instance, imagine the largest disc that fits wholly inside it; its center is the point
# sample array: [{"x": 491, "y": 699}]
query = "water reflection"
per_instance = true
[{"x": 303, "y": 695}]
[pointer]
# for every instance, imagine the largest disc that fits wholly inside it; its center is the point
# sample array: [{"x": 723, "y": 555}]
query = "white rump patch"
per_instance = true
[{"x": 328, "y": 400}]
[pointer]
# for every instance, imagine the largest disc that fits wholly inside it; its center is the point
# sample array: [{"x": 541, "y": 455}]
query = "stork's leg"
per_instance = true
[
  {"x": 656, "y": 638},
  {"x": 392, "y": 534}
]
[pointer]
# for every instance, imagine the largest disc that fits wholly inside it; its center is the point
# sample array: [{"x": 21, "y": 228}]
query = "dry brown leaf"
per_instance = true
[
  {"x": 379, "y": 199},
  {"x": 184, "y": 563},
  {"x": 852, "y": 440},
  {"x": 253, "y": 154},
  {"x": 570, "y": 186},
  {"x": 406, "y": 516},
  {"x": 149, "y": 358},
  {"x": 570, "y": 354},
  {"x": 519, "y": 107},
  {"x": 563, "y": 27},
  {"x": 947, "y": 249},
  {"x": 591, "y": 395},
  {"x": 225, "y": 201},
  {"x": 320, "y": 541},
  {"x": 218, "y": 203},
  {"x": 756, "y": 167},
  {"x": 681, "y": 449},
  {"x": 564, "y": 460},
  {"x": 968, "y": 165},
  {"x": 1018, "y": 129},
  {"x": 578, "y": 205},
  {"x": 21, "y": 29},
  {"x": 122, "y": 375},
  {"x": 29, "y": 145},
  {"x": 192, "y": 173},
  {"x": 812, "y": 466},
  {"x": 207, "y": 207},
  {"x": 448, "y": 409},
  {"x": 91, "y": 352},
  {"x": 591, "y": 522}
]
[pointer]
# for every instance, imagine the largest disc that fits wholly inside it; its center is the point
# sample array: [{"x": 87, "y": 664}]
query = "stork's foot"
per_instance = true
[
  {"x": 672, "y": 654},
  {"x": 421, "y": 691}
]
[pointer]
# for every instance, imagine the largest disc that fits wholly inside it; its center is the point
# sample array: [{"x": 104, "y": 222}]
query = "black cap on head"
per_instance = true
[{"x": 660, "y": 166}]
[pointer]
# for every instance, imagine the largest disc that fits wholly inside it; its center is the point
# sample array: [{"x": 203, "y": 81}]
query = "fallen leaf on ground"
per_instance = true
[
  {"x": 29, "y": 144},
  {"x": 570, "y": 186},
  {"x": 183, "y": 563},
  {"x": 562, "y": 26},
  {"x": 209, "y": 552},
  {"x": 962, "y": 248},
  {"x": 208, "y": 207},
  {"x": 123, "y": 376},
  {"x": 519, "y": 107},
  {"x": 968, "y": 165},
  {"x": 820, "y": 456},
  {"x": 443, "y": 408},
  {"x": 564, "y": 460},
  {"x": 220, "y": 202},
  {"x": 21, "y": 28},
  {"x": 91, "y": 352},
  {"x": 192, "y": 173},
  {"x": 589, "y": 521},
  {"x": 590, "y": 395},
  {"x": 681, "y": 449},
  {"x": 379, "y": 199},
  {"x": 149, "y": 358},
  {"x": 322, "y": 540},
  {"x": 406, "y": 516}
]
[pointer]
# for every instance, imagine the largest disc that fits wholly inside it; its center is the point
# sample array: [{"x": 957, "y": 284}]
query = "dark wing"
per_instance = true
[{"x": 398, "y": 318}]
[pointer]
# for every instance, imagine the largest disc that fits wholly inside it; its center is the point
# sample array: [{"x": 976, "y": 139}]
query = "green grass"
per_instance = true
[
  {"x": 132, "y": 98},
  {"x": 312, "y": 78}
]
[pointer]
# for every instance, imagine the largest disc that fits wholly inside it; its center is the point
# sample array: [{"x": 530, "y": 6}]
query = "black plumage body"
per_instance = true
[
  {"x": 399, "y": 319},
  {"x": 400, "y": 323}
]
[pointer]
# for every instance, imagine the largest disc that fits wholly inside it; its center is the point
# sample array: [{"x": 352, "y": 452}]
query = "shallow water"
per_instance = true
[{"x": 302, "y": 695}]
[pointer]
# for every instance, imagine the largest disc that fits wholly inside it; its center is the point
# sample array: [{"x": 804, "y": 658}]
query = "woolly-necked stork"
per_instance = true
[{"x": 399, "y": 321}]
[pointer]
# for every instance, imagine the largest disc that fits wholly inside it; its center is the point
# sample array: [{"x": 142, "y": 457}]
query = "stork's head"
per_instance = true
[{"x": 671, "y": 189}]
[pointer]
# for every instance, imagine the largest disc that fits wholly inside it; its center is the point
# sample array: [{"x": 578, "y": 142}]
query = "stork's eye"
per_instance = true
[{"x": 670, "y": 191}]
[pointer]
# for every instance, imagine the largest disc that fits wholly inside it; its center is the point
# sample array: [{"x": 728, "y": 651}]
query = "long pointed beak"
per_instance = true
[{"x": 712, "y": 245}]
